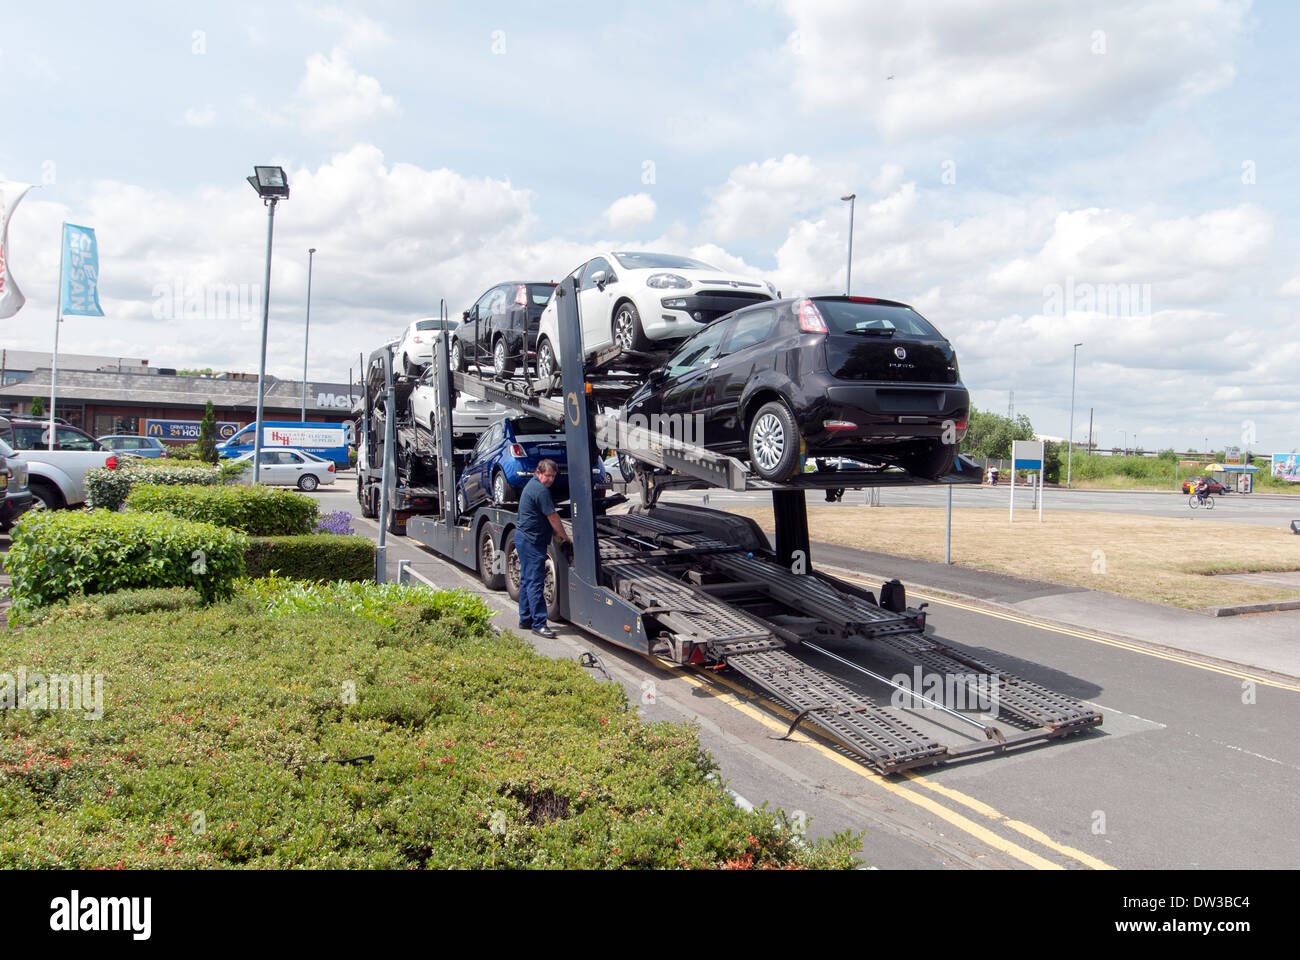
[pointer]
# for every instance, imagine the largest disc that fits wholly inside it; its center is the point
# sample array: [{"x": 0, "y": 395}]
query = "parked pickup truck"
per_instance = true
[{"x": 57, "y": 478}]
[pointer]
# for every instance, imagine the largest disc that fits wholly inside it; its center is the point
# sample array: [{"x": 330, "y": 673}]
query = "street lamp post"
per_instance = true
[
  {"x": 305, "y": 335},
  {"x": 1124, "y": 433},
  {"x": 848, "y": 278},
  {"x": 1069, "y": 460},
  {"x": 272, "y": 186}
]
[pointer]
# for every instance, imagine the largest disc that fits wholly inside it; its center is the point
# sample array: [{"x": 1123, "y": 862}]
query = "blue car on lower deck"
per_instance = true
[{"x": 506, "y": 457}]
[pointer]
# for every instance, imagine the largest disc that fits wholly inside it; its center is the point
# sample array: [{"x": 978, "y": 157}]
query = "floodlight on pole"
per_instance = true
[
  {"x": 306, "y": 333},
  {"x": 848, "y": 277},
  {"x": 272, "y": 186},
  {"x": 1069, "y": 461}
]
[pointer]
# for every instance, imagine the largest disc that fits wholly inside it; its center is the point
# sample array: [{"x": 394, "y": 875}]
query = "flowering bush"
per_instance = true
[{"x": 340, "y": 521}]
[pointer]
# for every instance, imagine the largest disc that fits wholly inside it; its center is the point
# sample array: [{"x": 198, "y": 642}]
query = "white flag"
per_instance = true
[{"x": 11, "y": 298}]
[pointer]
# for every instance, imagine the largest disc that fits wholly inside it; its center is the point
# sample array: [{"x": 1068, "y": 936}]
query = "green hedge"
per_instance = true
[
  {"x": 109, "y": 488},
  {"x": 218, "y": 726},
  {"x": 256, "y": 510},
  {"x": 58, "y": 554},
  {"x": 318, "y": 556}
]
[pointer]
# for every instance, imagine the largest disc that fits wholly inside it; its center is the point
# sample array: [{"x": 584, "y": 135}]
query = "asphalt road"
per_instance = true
[
  {"x": 1270, "y": 510},
  {"x": 1194, "y": 767}
]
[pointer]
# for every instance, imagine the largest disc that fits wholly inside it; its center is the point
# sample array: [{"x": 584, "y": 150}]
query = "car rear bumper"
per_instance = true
[
  {"x": 881, "y": 413},
  {"x": 16, "y": 503}
]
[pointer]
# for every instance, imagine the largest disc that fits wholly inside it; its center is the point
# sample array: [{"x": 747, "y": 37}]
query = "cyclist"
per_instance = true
[{"x": 1202, "y": 488}]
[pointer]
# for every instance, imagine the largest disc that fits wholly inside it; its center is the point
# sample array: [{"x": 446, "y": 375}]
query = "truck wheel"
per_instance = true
[
  {"x": 44, "y": 496},
  {"x": 513, "y": 572},
  {"x": 491, "y": 562},
  {"x": 367, "y": 501},
  {"x": 550, "y": 593},
  {"x": 774, "y": 442},
  {"x": 395, "y": 527},
  {"x": 501, "y": 359}
]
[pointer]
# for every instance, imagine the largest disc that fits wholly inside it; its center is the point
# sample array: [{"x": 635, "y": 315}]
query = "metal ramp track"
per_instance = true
[
  {"x": 855, "y": 721},
  {"x": 1018, "y": 698}
]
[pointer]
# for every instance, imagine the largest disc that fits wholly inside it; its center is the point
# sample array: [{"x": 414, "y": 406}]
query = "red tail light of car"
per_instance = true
[
  {"x": 517, "y": 451},
  {"x": 810, "y": 318},
  {"x": 521, "y": 295},
  {"x": 960, "y": 426}
]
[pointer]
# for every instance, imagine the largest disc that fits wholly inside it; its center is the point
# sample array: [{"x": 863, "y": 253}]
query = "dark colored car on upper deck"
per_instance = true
[
  {"x": 503, "y": 324},
  {"x": 855, "y": 377}
]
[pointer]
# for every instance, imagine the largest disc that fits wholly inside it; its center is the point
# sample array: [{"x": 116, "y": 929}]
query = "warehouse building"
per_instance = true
[{"x": 158, "y": 402}]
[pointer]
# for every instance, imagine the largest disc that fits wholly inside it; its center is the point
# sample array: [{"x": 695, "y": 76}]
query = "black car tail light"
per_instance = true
[
  {"x": 521, "y": 295},
  {"x": 810, "y": 318}
]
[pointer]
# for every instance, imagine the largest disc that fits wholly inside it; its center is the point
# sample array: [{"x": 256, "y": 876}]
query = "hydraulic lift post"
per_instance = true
[{"x": 790, "y": 513}]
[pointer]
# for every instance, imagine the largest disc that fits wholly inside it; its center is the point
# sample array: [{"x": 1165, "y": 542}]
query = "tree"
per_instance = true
[
  {"x": 989, "y": 434},
  {"x": 38, "y": 407},
  {"x": 208, "y": 435}
]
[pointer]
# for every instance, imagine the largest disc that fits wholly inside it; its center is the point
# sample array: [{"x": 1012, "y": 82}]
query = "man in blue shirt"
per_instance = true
[{"x": 538, "y": 520}]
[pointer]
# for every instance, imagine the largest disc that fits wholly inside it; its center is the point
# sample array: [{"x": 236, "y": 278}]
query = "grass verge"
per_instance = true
[
  {"x": 1157, "y": 559},
  {"x": 220, "y": 724}
]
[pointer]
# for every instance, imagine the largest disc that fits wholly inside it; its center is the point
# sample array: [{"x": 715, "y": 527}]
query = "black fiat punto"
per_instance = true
[{"x": 867, "y": 379}]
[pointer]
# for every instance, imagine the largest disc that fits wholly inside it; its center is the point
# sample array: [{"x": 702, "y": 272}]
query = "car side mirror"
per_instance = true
[
  {"x": 464, "y": 315},
  {"x": 598, "y": 278},
  {"x": 658, "y": 375}
]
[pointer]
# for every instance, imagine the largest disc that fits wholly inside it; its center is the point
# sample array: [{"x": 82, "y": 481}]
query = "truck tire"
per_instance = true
[
  {"x": 367, "y": 501},
  {"x": 512, "y": 574},
  {"x": 45, "y": 496},
  {"x": 491, "y": 563}
]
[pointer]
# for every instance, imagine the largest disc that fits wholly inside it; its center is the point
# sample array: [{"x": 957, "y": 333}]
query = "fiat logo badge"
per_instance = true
[{"x": 900, "y": 353}]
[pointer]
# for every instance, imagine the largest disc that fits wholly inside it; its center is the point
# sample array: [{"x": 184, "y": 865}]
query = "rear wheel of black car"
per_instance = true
[
  {"x": 929, "y": 461},
  {"x": 774, "y": 442},
  {"x": 456, "y": 360},
  {"x": 625, "y": 329},
  {"x": 501, "y": 358}
]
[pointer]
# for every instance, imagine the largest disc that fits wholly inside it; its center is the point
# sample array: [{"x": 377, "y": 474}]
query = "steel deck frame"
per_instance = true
[{"x": 651, "y": 582}]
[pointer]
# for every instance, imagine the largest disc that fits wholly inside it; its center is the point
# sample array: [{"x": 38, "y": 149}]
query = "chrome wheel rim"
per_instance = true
[
  {"x": 769, "y": 441},
  {"x": 545, "y": 362},
  {"x": 309, "y": 483},
  {"x": 623, "y": 333},
  {"x": 455, "y": 356},
  {"x": 512, "y": 570},
  {"x": 499, "y": 356},
  {"x": 460, "y": 500},
  {"x": 487, "y": 553},
  {"x": 548, "y": 590},
  {"x": 499, "y": 488}
]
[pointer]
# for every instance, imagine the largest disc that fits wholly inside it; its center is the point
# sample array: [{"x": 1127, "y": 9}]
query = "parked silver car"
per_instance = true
[{"x": 290, "y": 468}]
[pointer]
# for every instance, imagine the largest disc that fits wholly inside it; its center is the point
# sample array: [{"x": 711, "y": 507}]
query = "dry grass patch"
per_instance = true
[{"x": 1160, "y": 559}]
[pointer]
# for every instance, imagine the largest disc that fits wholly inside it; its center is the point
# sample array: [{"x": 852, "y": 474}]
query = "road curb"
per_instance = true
[{"x": 1241, "y": 608}]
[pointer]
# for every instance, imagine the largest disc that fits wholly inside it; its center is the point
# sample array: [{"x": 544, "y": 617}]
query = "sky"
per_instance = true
[{"x": 1028, "y": 176}]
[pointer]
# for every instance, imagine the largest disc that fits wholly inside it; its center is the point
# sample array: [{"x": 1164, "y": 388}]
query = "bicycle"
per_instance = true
[{"x": 1209, "y": 502}]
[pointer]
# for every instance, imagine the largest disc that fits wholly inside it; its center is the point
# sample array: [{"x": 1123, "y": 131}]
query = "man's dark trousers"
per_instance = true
[{"x": 532, "y": 583}]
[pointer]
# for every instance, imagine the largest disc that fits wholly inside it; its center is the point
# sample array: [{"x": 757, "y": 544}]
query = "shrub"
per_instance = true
[
  {"x": 256, "y": 510},
  {"x": 57, "y": 554},
  {"x": 107, "y": 606},
  {"x": 482, "y": 753},
  {"x": 109, "y": 488},
  {"x": 340, "y": 521},
  {"x": 320, "y": 556}
]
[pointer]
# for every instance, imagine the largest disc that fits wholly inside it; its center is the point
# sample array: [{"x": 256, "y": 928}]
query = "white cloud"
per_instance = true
[
  {"x": 196, "y": 117},
  {"x": 1291, "y": 288},
  {"x": 943, "y": 66},
  {"x": 357, "y": 32},
  {"x": 630, "y": 212},
  {"x": 760, "y": 198},
  {"x": 332, "y": 94}
]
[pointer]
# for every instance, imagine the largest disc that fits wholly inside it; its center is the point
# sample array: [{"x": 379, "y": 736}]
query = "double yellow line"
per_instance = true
[{"x": 740, "y": 700}]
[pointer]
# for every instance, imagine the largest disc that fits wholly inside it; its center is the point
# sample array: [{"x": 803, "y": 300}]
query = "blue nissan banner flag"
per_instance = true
[{"x": 80, "y": 272}]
